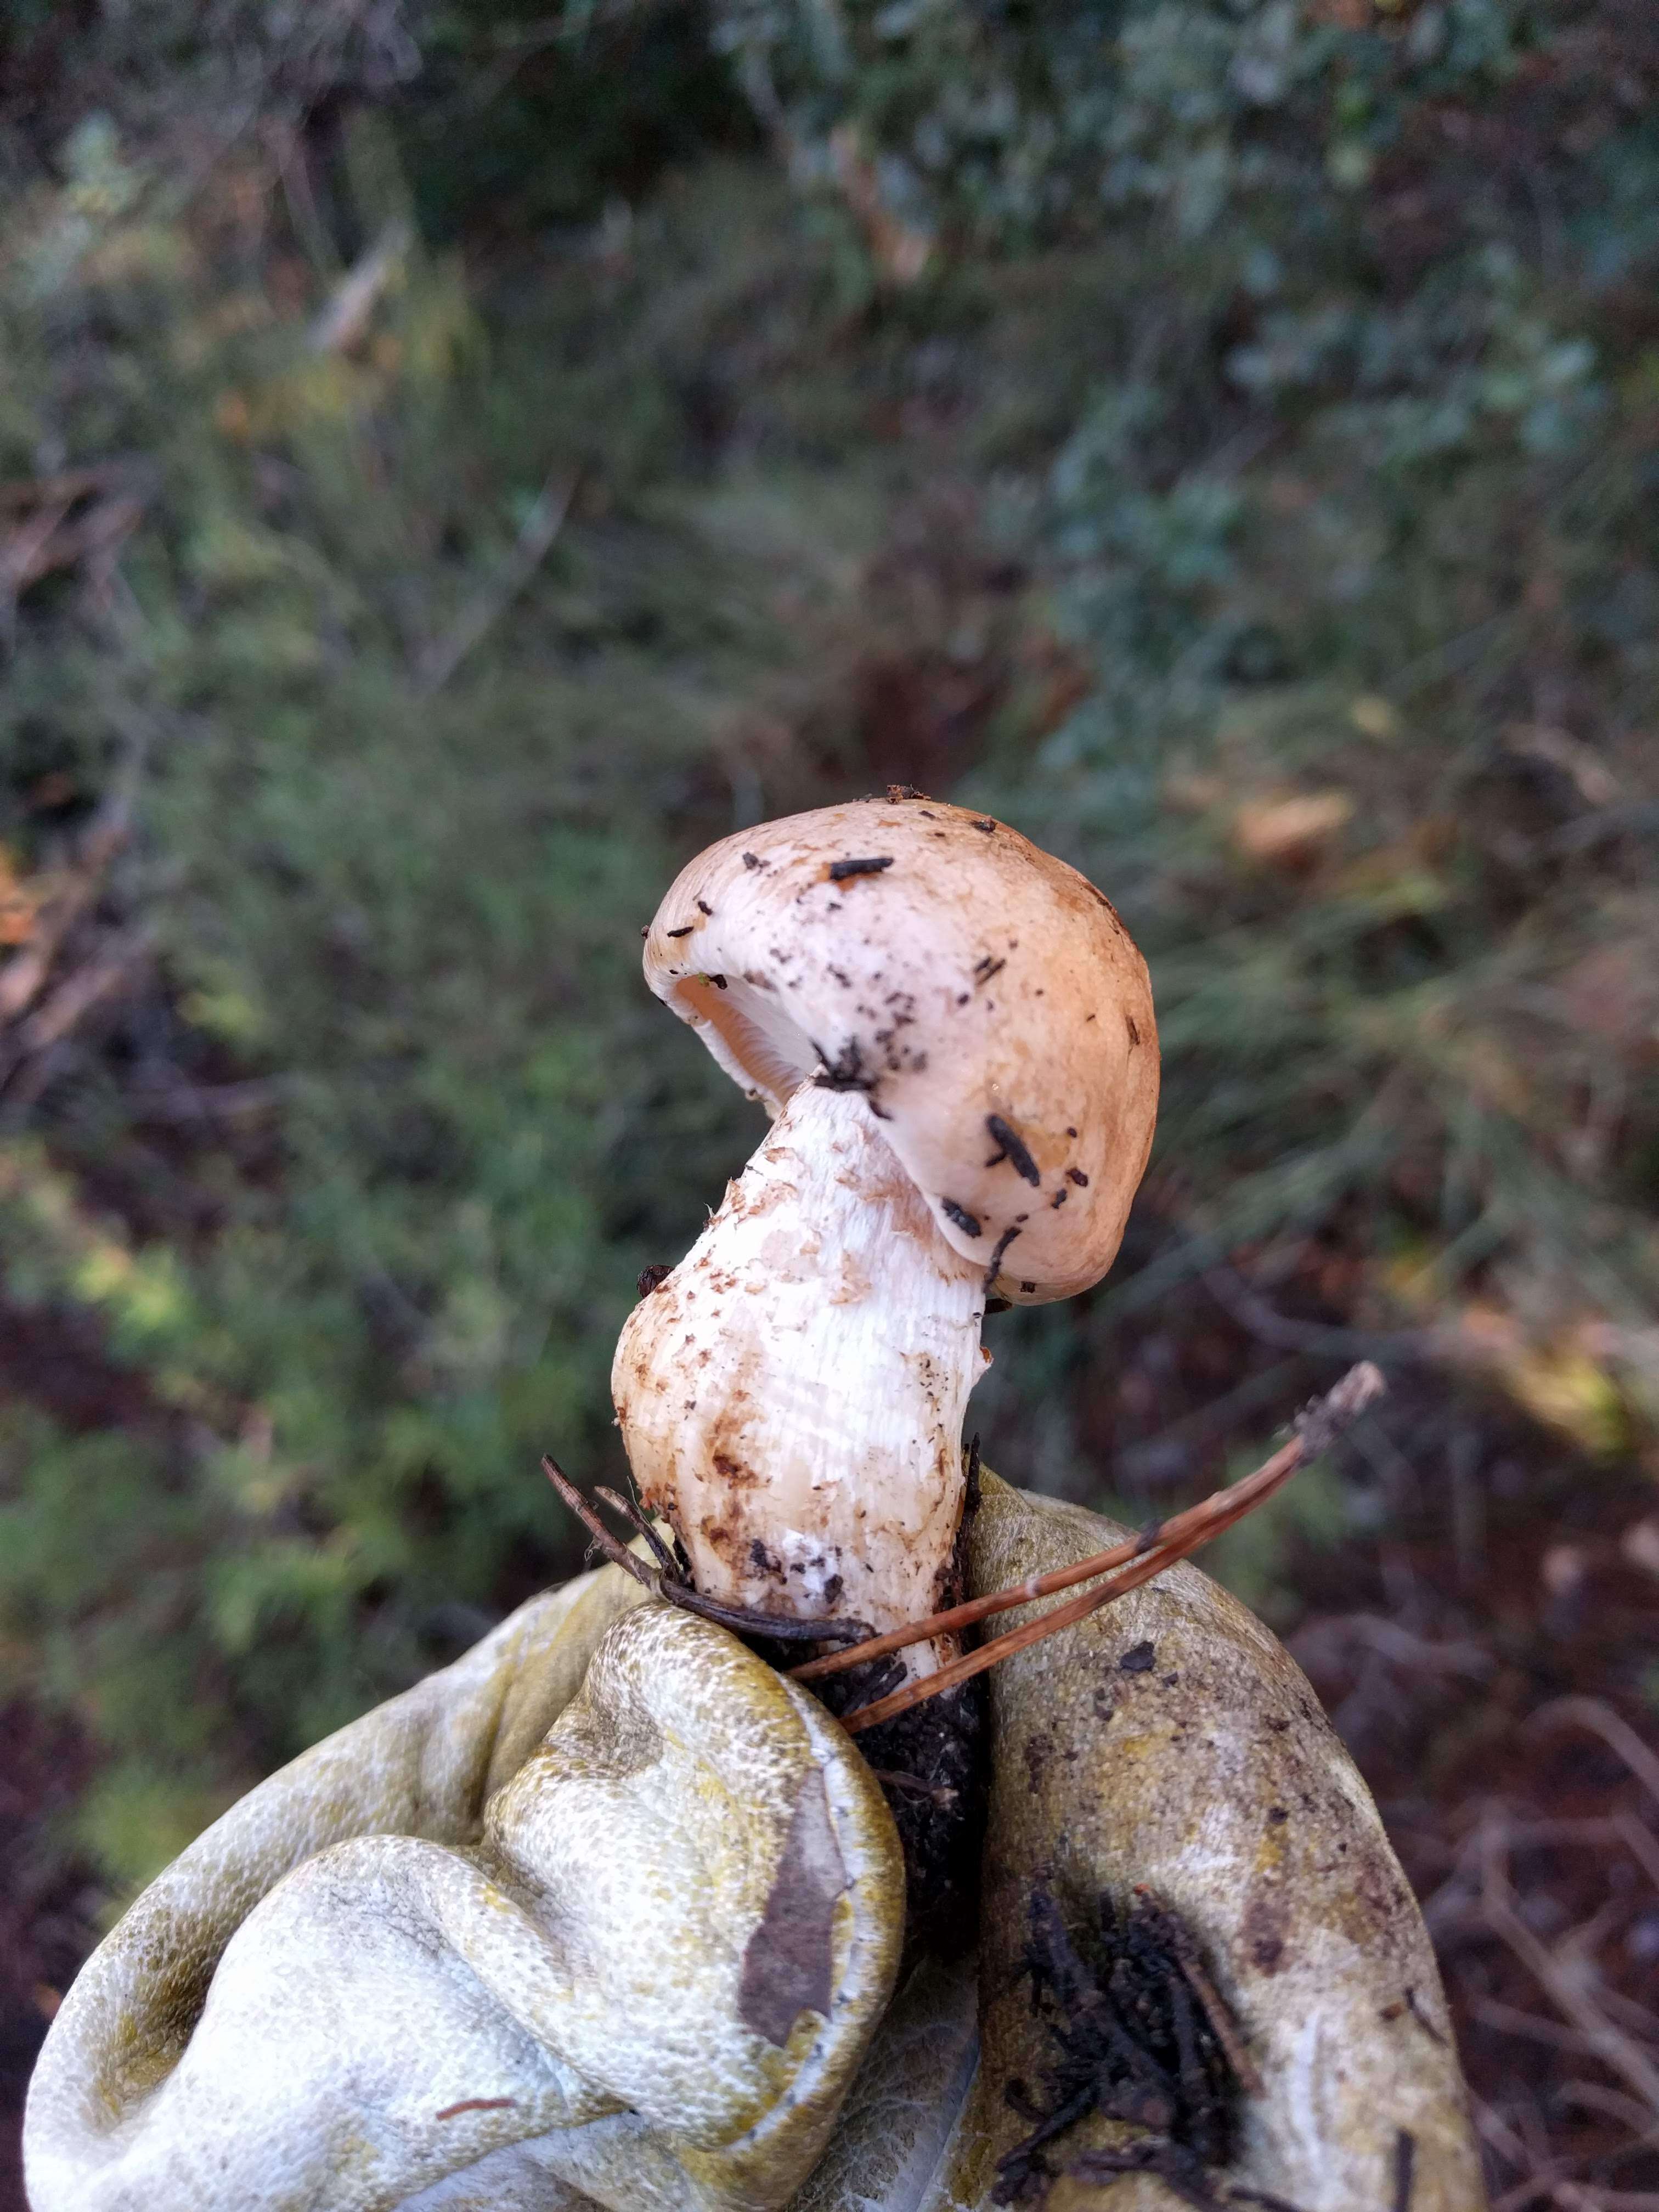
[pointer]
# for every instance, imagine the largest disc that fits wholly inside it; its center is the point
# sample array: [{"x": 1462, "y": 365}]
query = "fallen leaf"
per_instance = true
[{"x": 1289, "y": 831}]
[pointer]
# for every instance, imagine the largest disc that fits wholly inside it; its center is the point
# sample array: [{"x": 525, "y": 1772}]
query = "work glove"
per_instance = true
[
  {"x": 609, "y": 1914},
  {"x": 1167, "y": 1745}
]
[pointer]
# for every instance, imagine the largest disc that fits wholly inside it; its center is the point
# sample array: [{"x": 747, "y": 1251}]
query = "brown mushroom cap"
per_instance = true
[{"x": 981, "y": 995}]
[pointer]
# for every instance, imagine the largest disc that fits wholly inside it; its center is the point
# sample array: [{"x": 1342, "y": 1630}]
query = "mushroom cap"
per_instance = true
[{"x": 981, "y": 995}]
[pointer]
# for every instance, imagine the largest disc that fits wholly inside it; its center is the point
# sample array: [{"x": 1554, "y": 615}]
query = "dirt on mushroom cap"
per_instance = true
[{"x": 981, "y": 995}]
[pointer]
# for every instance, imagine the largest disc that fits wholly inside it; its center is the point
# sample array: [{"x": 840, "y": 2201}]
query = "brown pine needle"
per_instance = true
[
  {"x": 618, "y": 1554},
  {"x": 1326, "y": 1416},
  {"x": 1142, "y": 1558}
]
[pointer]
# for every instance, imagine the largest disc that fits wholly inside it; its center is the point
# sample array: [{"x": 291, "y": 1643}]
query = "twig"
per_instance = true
[
  {"x": 23, "y": 556},
  {"x": 1617, "y": 2051},
  {"x": 79, "y": 993},
  {"x": 1223, "y": 2027},
  {"x": 1541, "y": 2184},
  {"x": 1606, "y": 822},
  {"x": 1284, "y": 1333},
  {"x": 1615, "y": 2105},
  {"x": 62, "y": 489},
  {"x": 631, "y": 1513},
  {"x": 914, "y": 1692},
  {"x": 1140, "y": 1558},
  {"x": 188, "y": 1101},
  {"x": 1617, "y": 1828},
  {"x": 913, "y": 1786},
  {"x": 345, "y": 318},
  {"x": 1496, "y": 2134},
  {"x": 46, "y": 538},
  {"x": 541, "y": 527},
  {"x": 618, "y": 1554},
  {"x": 1215, "y": 1418},
  {"x": 1320, "y": 1644},
  {"x": 1616, "y": 1733},
  {"x": 39, "y": 1049},
  {"x": 1509, "y": 2019},
  {"x": 23, "y": 976}
]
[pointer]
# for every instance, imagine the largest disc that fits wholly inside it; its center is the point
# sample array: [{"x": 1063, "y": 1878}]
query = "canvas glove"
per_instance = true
[
  {"x": 606, "y": 1912},
  {"x": 608, "y": 1915},
  {"x": 1169, "y": 1743}
]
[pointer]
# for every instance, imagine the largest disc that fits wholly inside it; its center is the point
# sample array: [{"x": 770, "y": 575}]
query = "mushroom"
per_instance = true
[{"x": 954, "y": 1033}]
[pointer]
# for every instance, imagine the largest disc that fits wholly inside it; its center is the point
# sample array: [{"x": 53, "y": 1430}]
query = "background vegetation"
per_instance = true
[{"x": 456, "y": 459}]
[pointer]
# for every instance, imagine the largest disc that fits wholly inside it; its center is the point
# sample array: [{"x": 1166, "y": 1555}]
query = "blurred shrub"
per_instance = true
[
  {"x": 360, "y": 1178},
  {"x": 1357, "y": 534},
  {"x": 1012, "y": 124}
]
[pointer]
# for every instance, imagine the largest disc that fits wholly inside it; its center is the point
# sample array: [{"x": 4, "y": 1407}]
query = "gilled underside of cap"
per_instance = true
[{"x": 981, "y": 996}]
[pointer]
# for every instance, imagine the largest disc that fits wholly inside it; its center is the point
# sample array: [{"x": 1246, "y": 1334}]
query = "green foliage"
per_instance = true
[
  {"x": 1015, "y": 124},
  {"x": 404, "y": 914},
  {"x": 1357, "y": 536},
  {"x": 1354, "y": 529},
  {"x": 584, "y": 110}
]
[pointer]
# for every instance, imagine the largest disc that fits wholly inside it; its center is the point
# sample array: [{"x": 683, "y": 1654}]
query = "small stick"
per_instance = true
[
  {"x": 1145, "y": 1556},
  {"x": 1004, "y": 1647},
  {"x": 750, "y": 1621},
  {"x": 542, "y": 525},
  {"x": 618, "y": 1554},
  {"x": 1316, "y": 1427},
  {"x": 916, "y": 1787},
  {"x": 632, "y": 1514},
  {"x": 1616, "y": 1733}
]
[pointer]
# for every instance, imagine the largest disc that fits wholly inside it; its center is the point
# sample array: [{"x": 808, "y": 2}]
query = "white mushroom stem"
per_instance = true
[{"x": 791, "y": 1397}]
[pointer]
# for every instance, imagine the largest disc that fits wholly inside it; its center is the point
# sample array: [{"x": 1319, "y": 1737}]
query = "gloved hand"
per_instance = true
[
  {"x": 1169, "y": 1741},
  {"x": 612, "y": 1868},
  {"x": 605, "y": 1914}
]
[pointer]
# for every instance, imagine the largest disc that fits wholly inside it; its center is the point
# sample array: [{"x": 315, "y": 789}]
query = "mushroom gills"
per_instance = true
[
  {"x": 749, "y": 1033},
  {"x": 791, "y": 1396}
]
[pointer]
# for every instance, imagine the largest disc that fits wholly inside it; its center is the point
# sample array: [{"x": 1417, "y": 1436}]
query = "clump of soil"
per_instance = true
[
  {"x": 1139, "y": 2035},
  {"x": 933, "y": 1764}
]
